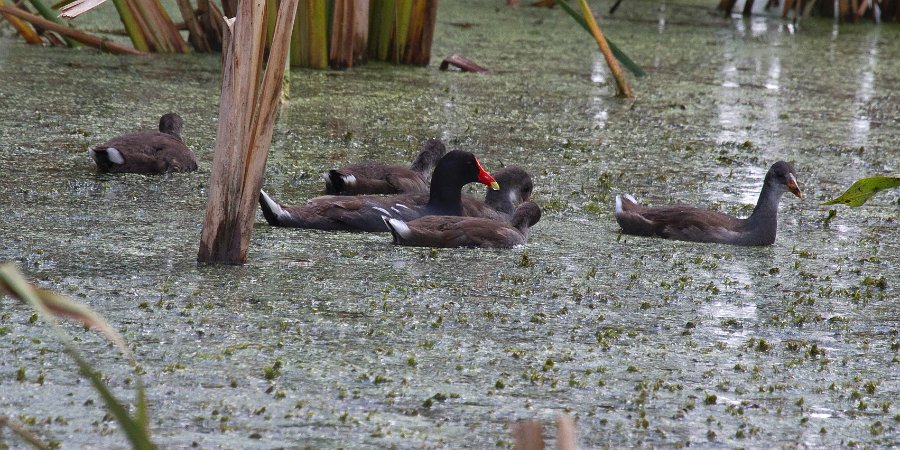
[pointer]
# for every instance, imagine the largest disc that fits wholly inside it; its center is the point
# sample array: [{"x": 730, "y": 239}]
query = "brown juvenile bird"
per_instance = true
[
  {"x": 685, "y": 223},
  {"x": 148, "y": 151},
  {"x": 455, "y": 231},
  {"x": 378, "y": 178}
]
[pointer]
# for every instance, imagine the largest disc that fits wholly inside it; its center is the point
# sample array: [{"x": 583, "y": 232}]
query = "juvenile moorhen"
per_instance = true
[
  {"x": 515, "y": 187},
  {"x": 147, "y": 152},
  {"x": 455, "y": 231},
  {"x": 363, "y": 212},
  {"x": 699, "y": 225},
  {"x": 378, "y": 178}
]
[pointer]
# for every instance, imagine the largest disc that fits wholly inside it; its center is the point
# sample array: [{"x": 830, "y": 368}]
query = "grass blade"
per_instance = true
[{"x": 50, "y": 306}]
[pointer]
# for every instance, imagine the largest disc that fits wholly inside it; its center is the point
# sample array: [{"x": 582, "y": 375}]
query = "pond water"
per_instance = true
[{"x": 645, "y": 342}]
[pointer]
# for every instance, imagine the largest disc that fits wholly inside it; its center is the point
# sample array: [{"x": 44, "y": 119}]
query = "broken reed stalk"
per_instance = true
[
  {"x": 23, "y": 28},
  {"x": 157, "y": 26},
  {"x": 131, "y": 26},
  {"x": 195, "y": 32},
  {"x": 422, "y": 19},
  {"x": 79, "y": 36},
  {"x": 622, "y": 88},
  {"x": 349, "y": 33},
  {"x": 246, "y": 120},
  {"x": 48, "y": 14}
]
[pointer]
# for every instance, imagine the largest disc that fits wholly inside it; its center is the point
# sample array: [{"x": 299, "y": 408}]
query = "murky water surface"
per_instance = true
[{"x": 645, "y": 342}]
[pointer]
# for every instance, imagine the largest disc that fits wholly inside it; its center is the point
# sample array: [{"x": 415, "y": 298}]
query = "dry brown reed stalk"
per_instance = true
[
  {"x": 463, "y": 64},
  {"x": 246, "y": 120},
  {"x": 212, "y": 21},
  {"x": 422, "y": 19},
  {"x": 23, "y": 28},
  {"x": 622, "y": 88},
  {"x": 529, "y": 434},
  {"x": 76, "y": 8},
  {"x": 196, "y": 34},
  {"x": 157, "y": 27},
  {"x": 79, "y": 36},
  {"x": 349, "y": 33},
  {"x": 565, "y": 433}
]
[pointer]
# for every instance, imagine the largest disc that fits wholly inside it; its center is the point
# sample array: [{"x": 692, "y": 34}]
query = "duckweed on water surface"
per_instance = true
[{"x": 343, "y": 340}]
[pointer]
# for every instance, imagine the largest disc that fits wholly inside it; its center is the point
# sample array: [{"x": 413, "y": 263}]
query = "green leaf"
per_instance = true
[
  {"x": 864, "y": 189},
  {"x": 619, "y": 54}
]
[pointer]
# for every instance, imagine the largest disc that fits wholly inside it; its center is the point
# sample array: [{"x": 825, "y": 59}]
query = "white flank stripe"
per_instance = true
[
  {"x": 114, "y": 156},
  {"x": 273, "y": 205},
  {"x": 618, "y": 205},
  {"x": 388, "y": 213},
  {"x": 350, "y": 180},
  {"x": 400, "y": 228}
]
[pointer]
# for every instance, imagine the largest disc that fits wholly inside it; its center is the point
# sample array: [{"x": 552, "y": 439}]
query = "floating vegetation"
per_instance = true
[{"x": 862, "y": 190}]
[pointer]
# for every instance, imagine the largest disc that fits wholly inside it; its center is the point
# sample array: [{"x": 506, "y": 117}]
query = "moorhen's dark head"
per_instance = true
[
  {"x": 515, "y": 187},
  {"x": 458, "y": 168},
  {"x": 432, "y": 151},
  {"x": 171, "y": 123},
  {"x": 781, "y": 176}
]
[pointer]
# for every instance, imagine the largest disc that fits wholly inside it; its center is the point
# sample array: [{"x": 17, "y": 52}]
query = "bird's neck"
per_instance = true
[
  {"x": 501, "y": 201},
  {"x": 445, "y": 200},
  {"x": 764, "y": 219}
]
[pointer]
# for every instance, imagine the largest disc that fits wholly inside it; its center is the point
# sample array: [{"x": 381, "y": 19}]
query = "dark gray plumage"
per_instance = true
[{"x": 700, "y": 225}]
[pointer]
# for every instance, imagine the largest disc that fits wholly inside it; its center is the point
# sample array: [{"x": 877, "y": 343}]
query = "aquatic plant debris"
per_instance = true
[{"x": 863, "y": 189}]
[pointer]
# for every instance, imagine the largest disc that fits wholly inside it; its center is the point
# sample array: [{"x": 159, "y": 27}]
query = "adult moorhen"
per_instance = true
[
  {"x": 363, "y": 213},
  {"x": 147, "y": 152},
  {"x": 699, "y": 225},
  {"x": 455, "y": 231},
  {"x": 378, "y": 178}
]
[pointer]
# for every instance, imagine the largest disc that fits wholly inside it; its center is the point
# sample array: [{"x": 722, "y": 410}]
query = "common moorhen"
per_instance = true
[
  {"x": 455, "y": 231},
  {"x": 147, "y": 152},
  {"x": 363, "y": 212},
  {"x": 515, "y": 187},
  {"x": 700, "y": 225},
  {"x": 377, "y": 178}
]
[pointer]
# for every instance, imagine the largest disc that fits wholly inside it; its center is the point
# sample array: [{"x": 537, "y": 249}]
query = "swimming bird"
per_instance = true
[
  {"x": 378, "y": 178},
  {"x": 700, "y": 225},
  {"x": 148, "y": 151},
  {"x": 363, "y": 212},
  {"x": 515, "y": 187},
  {"x": 455, "y": 231}
]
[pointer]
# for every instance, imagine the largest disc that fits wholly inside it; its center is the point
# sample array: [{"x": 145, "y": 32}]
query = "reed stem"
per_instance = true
[{"x": 622, "y": 88}]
